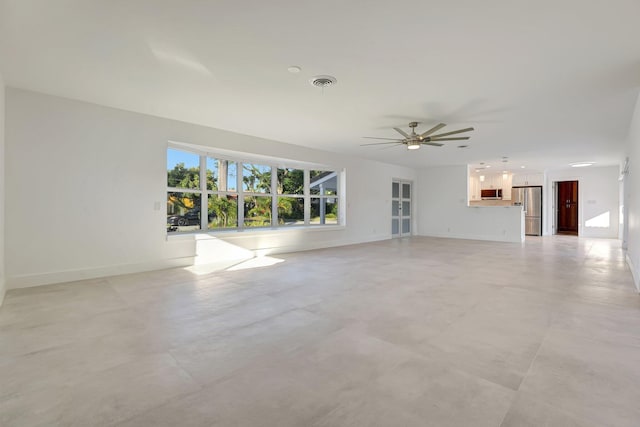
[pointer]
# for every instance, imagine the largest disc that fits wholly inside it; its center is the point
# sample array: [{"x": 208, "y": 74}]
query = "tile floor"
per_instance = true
[{"x": 413, "y": 332}]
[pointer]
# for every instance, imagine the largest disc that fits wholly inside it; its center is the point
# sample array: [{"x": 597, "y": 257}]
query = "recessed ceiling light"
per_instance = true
[
  {"x": 581, "y": 164},
  {"x": 522, "y": 167},
  {"x": 488, "y": 166},
  {"x": 294, "y": 69}
]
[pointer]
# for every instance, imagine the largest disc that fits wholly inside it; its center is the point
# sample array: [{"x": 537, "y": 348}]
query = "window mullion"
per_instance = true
[
  {"x": 183, "y": 190},
  {"x": 340, "y": 198},
  {"x": 240, "y": 214},
  {"x": 204, "y": 210},
  {"x": 274, "y": 196},
  {"x": 307, "y": 198}
]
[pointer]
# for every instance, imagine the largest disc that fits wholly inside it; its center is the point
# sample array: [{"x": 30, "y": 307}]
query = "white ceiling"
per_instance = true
[{"x": 545, "y": 83}]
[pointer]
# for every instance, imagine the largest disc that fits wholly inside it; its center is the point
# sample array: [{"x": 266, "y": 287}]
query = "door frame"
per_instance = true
[
  {"x": 402, "y": 215},
  {"x": 554, "y": 208},
  {"x": 557, "y": 207}
]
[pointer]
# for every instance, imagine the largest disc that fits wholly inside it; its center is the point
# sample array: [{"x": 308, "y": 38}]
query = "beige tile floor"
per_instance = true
[{"x": 413, "y": 332}]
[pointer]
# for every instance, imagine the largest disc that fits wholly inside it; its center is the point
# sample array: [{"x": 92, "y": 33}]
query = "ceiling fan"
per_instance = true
[{"x": 413, "y": 140}]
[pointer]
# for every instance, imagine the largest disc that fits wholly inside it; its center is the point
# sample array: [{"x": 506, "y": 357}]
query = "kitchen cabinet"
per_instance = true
[
  {"x": 522, "y": 180},
  {"x": 519, "y": 180},
  {"x": 491, "y": 182},
  {"x": 474, "y": 188},
  {"x": 507, "y": 180},
  {"x": 535, "y": 179}
]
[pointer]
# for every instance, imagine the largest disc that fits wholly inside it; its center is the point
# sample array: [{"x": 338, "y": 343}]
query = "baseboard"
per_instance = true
[
  {"x": 49, "y": 278},
  {"x": 488, "y": 237},
  {"x": 634, "y": 272},
  {"x": 322, "y": 245}
]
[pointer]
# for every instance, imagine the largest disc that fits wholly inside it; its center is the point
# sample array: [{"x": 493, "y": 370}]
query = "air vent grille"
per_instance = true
[{"x": 323, "y": 81}]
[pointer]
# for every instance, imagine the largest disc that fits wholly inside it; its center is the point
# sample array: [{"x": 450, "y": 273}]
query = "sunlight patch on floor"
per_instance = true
[{"x": 263, "y": 261}]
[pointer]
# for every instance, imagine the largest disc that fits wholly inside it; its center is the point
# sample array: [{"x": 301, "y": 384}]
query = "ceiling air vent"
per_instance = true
[{"x": 323, "y": 81}]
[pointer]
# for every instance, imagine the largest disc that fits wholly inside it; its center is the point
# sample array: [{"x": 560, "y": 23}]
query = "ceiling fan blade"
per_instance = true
[
  {"x": 390, "y": 139},
  {"x": 432, "y": 130},
  {"x": 432, "y": 143},
  {"x": 389, "y": 146},
  {"x": 401, "y": 132},
  {"x": 380, "y": 143},
  {"x": 460, "y": 138},
  {"x": 452, "y": 132}
]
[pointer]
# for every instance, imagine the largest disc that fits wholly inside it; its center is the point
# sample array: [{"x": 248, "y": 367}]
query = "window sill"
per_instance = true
[{"x": 186, "y": 235}]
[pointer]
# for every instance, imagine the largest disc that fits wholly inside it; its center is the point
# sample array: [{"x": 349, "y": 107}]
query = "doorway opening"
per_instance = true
[
  {"x": 400, "y": 208},
  {"x": 567, "y": 208}
]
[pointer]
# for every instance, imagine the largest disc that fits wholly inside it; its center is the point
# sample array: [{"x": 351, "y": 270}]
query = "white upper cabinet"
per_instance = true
[
  {"x": 506, "y": 186},
  {"x": 535, "y": 179},
  {"x": 522, "y": 180},
  {"x": 518, "y": 180},
  {"x": 491, "y": 181},
  {"x": 474, "y": 188}
]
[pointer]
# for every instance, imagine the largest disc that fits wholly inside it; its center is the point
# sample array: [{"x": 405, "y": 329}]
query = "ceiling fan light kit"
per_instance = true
[{"x": 414, "y": 141}]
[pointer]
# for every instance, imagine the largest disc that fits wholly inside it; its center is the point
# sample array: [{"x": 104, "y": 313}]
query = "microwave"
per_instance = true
[{"x": 493, "y": 194}]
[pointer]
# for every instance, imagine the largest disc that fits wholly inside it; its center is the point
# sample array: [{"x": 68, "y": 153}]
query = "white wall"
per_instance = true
[
  {"x": 598, "y": 200},
  {"x": 82, "y": 181},
  {"x": 2, "y": 191},
  {"x": 632, "y": 198},
  {"x": 443, "y": 210}
]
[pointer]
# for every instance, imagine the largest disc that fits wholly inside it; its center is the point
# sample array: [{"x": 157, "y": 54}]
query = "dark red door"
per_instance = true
[{"x": 568, "y": 207}]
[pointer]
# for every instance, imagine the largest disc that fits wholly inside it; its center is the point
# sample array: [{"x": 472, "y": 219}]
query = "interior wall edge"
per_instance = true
[
  {"x": 634, "y": 272},
  {"x": 3, "y": 270},
  {"x": 479, "y": 237}
]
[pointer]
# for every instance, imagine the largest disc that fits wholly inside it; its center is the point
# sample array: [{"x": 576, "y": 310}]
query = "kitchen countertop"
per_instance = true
[{"x": 490, "y": 203}]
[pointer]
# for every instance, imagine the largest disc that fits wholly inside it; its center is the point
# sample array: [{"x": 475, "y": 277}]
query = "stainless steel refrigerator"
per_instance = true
[{"x": 530, "y": 198}]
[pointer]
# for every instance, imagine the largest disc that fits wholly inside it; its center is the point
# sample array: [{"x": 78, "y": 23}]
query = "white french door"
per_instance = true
[{"x": 400, "y": 208}]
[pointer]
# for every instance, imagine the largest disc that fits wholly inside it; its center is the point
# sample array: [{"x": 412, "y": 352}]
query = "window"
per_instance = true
[
  {"x": 324, "y": 200},
  {"x": 207, "y": 192},
  {"x": 184, "y": 194},
  {"x": 222, "y": 193},
  {"x": 290, "y": 196},
  {"x": 258, "y": 200}
]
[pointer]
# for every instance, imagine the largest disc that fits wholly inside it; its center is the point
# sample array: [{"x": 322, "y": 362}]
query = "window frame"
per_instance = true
[{"x": 274, "y": 164}]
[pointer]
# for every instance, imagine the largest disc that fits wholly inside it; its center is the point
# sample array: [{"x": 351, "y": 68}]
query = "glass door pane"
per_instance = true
[
  {"x": 396, "y": 212},
  {"x": 406, "y": 226},
  {"x": 395, "y": 208},
  {"x": 406, "y": 191}
]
